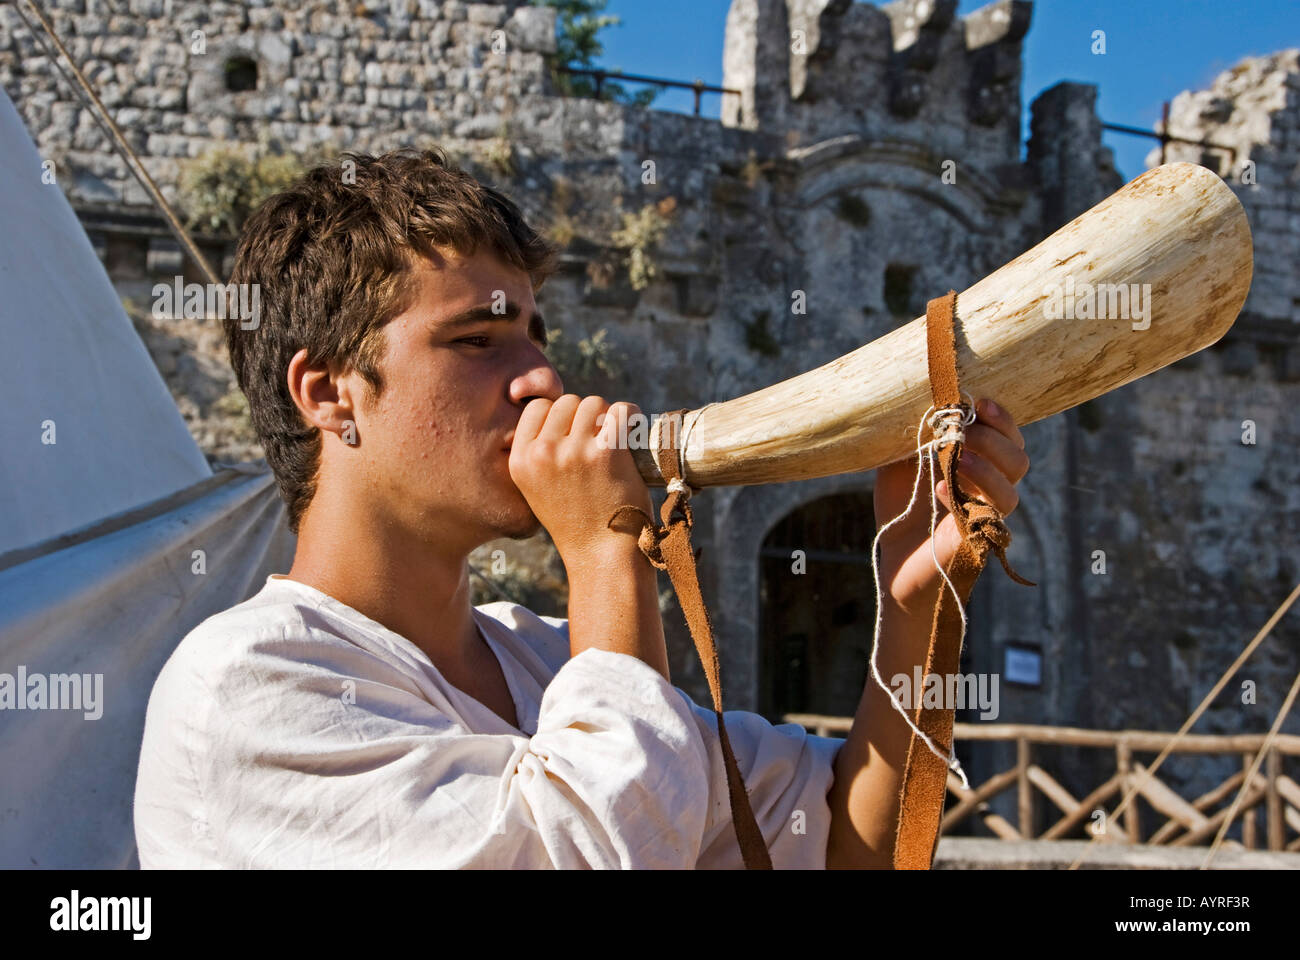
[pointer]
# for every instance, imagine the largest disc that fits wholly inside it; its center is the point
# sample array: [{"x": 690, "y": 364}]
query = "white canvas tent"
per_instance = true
[{"x": 108, "y": 502}]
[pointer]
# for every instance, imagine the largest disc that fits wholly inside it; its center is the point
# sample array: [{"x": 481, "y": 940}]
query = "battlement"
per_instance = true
[
  {"x": 823, "y": 68},
  {"x": 1253, "y": 110}
]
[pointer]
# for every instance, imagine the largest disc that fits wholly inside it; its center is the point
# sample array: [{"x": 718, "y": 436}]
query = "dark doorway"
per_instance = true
[{"x": 817, "y": 608}]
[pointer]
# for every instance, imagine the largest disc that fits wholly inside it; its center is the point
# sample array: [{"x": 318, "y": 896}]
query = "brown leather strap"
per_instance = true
[
  {"x": 668, "y": 547},
  {"x": 925, "y": 776}
]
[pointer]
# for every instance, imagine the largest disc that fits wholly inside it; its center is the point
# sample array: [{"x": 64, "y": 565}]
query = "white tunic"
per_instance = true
[{"x": 292, "y": 731}]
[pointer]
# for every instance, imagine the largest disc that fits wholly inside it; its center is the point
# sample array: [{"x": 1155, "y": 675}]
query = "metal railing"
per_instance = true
[
  {"x": 600, "y": 76},
  {"x": 1166, "y": 138}
]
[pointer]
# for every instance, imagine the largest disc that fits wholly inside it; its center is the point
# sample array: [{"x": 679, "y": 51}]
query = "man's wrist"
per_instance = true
[{"x": 612, "y": 551}]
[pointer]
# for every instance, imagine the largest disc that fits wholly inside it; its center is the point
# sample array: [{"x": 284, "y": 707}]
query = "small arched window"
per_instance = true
[
  {"x": 241, "y": 74},
  {"x": 898, "y": 289}
]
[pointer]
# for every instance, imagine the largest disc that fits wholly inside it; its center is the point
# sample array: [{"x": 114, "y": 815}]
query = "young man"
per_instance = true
[{"x": 359, "y": 712}]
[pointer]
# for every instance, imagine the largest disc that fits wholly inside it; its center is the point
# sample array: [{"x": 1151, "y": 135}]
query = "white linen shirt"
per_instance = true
[{"x": 292, "y": 731}]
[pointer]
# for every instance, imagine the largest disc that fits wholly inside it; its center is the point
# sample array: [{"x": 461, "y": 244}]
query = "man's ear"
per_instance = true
[{"x": 326, "y": 398}]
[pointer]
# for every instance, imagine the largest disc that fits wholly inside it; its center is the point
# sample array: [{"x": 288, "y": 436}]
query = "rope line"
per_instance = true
[
  {"x": 687, "y": 427},
  {"x": 1254, "y": 769},
  {"x": 1141, "y": 779}
]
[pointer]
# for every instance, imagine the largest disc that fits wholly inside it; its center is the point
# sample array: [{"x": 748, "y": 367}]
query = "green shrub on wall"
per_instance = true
[{"x": 222, "y": 187}]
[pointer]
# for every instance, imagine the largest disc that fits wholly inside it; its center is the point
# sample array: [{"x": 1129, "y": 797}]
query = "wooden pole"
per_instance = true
[
  {"x": 1248, "y": 815},
  {"x": 1124, "y": 767},
  {"x": 1024, "y": 789},
  {"x": 1174, "y": 242},
  {"x": 1273, "y": 801}
]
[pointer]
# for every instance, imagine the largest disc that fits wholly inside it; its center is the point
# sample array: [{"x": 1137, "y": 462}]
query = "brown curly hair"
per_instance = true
[{"x": 333, "y": 257}]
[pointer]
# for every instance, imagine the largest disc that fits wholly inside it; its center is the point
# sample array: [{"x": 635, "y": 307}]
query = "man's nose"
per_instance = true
[{"x": 540, "y": 380}]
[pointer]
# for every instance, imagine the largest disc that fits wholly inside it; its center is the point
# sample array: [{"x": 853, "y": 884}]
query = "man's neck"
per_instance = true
[{"x": 405, "y": 584}]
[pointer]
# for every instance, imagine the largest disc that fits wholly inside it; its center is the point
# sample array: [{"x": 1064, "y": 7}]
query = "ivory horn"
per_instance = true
[{"x": 1177, "y": 228}]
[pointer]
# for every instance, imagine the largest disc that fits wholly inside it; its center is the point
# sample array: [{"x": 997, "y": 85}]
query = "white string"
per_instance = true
[
  {"x": 680, "y": 485},
  {"x": 952, "y": 423}
]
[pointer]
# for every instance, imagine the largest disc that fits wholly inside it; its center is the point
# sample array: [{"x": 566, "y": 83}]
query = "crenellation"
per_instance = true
[{"x": 1253, "y": 109}]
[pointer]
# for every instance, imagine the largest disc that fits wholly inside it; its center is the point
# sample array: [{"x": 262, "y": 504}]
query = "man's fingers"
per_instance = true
[
  {"x": 531, "y": 420},
  {"x": 988, "y": 412},
  {"x": 616, "y": 424},
  {"x": 979, "y": 478},
  {"x": 560, "y": 417},
  {"x": 589, "y": 410},
  {"x": 998, "y": 449}
]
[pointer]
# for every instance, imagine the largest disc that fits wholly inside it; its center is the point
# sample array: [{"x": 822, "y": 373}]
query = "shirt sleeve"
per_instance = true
[
  {"x": 311, "y": 752},
  {"x": 787, "y": 773}
]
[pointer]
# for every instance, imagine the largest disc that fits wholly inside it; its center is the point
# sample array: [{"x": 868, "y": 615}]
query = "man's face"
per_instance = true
[{"x": 456, "y": 377}]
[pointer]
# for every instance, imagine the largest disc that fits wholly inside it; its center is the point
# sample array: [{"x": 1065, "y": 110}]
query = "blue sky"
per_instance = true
[{"x": 1154, "y": 50}]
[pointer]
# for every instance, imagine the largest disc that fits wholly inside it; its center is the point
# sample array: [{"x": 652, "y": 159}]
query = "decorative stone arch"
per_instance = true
[
  {"x": 851, "y": 162},
  {"x": 935, "y": 236},
  {"x": 743, "y": 521}
]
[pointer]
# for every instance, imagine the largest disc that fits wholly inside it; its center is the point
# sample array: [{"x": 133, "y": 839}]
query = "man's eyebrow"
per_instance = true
[{"x": 484, "y": 312}]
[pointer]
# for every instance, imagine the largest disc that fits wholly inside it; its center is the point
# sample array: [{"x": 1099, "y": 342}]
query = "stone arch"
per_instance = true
[
  {"x": 745, "y": 516},
  {"x": 907, "y": 224},
  {"x": 743, "y": 521},
  {"x": 850, "y": 162}
]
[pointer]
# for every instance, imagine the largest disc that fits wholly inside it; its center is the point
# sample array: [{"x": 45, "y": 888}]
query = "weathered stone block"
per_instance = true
[{"x": 532, "y": 28}]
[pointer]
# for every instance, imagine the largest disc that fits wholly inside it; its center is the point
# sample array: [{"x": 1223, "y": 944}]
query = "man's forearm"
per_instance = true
[
  {"x": 614, "y": 605},
  {"x": 869, "y": 766}
]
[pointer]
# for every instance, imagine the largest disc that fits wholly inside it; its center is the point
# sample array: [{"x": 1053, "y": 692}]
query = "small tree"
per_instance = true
[{"x": 577, "y": 23}]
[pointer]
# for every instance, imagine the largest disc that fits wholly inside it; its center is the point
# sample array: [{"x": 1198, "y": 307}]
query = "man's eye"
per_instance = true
[{"x": 477, "y": 341}]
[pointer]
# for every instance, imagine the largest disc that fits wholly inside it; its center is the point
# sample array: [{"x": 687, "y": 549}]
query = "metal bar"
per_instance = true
[
  {"x": 657, "y": 81},
  {"x": 1164, "y": 130},
  {"x": 1152, "y": 135}
]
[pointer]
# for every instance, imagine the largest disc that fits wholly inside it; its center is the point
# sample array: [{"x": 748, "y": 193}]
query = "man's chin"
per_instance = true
[
  {"x": 525, "y": 531},
  {"x": 516, "y": 524}
]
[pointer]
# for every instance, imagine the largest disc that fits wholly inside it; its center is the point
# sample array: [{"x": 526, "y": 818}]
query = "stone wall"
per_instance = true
[
  {"x": 871, "y": 161},
  {"x": 328, "y": 75}
]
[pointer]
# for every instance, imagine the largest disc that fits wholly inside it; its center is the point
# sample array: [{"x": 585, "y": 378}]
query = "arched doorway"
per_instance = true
[{"x": 817, "y": 607}]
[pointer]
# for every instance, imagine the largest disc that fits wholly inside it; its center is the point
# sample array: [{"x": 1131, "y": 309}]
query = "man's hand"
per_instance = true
[
  {"x": 575, "y": 475},
  {"x": 993, "y": 461},
  {"x": 566, "y": 461},
  {"x": 864, "y": 798}
]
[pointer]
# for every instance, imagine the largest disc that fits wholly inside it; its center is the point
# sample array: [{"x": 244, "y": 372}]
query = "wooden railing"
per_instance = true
[{"x": 1186, "y": 822}]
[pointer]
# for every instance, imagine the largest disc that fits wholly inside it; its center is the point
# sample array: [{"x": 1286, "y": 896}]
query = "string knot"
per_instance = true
[
  {"x": 948, "y": 424},
  {"x": 986, "y": 523}
]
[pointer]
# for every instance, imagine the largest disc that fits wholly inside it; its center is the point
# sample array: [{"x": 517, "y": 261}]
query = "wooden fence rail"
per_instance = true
[{"x": 1186, "y": 822}]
